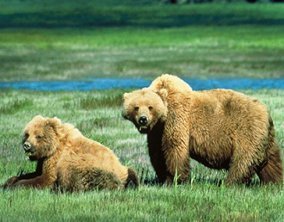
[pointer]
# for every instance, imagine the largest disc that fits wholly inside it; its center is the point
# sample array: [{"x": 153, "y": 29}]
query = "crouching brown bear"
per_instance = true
[
  {"x": 222, "y": 129},
  {"x": 68, "y": 161}
]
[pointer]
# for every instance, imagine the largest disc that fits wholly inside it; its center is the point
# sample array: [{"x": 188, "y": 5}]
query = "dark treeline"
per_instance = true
[
  {"x": 217, "y": 1},
  {"x": 136, "y": 16}
]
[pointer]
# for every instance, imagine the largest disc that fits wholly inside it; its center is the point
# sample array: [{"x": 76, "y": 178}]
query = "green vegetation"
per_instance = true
[
  {"x": 71, "y": 41},
  {"x": 184, "y": 203},
  {"x": 98, "y": 115}
]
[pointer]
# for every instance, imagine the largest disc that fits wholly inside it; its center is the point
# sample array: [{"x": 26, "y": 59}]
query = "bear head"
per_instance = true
[
  {"x": 40, "y": 138},
  {"x": 145, "y": 108}
]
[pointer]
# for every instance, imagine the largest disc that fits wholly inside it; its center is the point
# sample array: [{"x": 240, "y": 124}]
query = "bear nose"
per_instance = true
[
  {"x": 143, "y": 120},
  {"x": 27, "y": 146}
]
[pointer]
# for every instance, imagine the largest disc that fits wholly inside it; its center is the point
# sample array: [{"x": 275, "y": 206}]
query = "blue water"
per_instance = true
[{"x": 124, "y": 83}]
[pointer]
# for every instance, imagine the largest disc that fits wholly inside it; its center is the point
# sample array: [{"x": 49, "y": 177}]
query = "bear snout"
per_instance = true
[
  {"x": 143, "y": 120},
  {"x": 27, "y": 146}
]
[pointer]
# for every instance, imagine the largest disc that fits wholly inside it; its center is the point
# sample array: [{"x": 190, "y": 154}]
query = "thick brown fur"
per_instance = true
[
  {"x": 222, "y": 129},
  {"x": 82, "y": 172},
  {"x": 62, "y": 154}
]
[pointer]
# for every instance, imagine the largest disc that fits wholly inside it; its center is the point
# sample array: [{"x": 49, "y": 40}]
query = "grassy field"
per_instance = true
[
  {"x": 98, "y": 115},
  {"x": 42, "y": 43},
  {"x": 52, "y": 40}
]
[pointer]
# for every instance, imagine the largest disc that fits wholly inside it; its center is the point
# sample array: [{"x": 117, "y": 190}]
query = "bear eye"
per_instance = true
[
  {"x": 150, "y": 108},
  {"x": 136, "y": 108},
  {"x": 39, "y": 137},
  {"x": 25, "y": 137}
]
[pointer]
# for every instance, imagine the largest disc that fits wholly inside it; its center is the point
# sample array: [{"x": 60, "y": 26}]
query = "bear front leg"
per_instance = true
[
  {"x": 13, "y": 180},
  {"x": 16, "y": 181},
  {"x": 158, "y": 162},
  {"x": 10, "y": 182},
  {"x": 175, "y": 146},
  {"x": 36, "y": 182},
  {"x": 177, "y": 162}
]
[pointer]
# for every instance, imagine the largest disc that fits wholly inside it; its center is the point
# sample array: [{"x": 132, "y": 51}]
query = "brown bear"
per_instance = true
[
  {"x": 65, "y": 158},
  {"x": 222, "y": 129}
]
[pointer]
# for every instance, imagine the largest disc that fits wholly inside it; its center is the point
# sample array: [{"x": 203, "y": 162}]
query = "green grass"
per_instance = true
[
  {"x": 81, "y": 41},
  {"x": 98, "y": 115},
  {"x": 37, "y": 54},
  {"x": 185, "y": 203}
]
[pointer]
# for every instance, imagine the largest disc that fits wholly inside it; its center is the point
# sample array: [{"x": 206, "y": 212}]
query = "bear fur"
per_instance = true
[
  {"x": 69, "y": 161},
  {"x": 83, "y": 174},
  {"x": 222, "y": 129}
]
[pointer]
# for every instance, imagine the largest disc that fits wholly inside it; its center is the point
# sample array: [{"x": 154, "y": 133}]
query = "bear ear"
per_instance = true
[
  {"x": 125, "y": 96},
  {"x": 163, "y": 93},
  {"x": 53, "y": 122}
]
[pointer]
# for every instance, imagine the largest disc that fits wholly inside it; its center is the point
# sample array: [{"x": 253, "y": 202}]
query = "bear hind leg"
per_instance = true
[
  {"x": 272, "y": 171},
  {"x": 241, "y": 170},
  {"x": 86, "y": 180},
  {"x": 239, "y": 176},
  {"x": 101, "y": 179}
]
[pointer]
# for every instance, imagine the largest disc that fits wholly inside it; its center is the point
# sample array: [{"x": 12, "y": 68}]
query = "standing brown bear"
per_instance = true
[
  {"x": 66, "y": 160},
  {"x": 221, "y": 129}
]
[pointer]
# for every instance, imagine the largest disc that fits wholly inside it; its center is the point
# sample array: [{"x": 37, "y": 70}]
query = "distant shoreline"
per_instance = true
[{"x": 126, "y": 83}]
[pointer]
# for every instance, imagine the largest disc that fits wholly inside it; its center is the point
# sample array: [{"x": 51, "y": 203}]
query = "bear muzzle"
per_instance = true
[
  {"x": 143, "y": 124},
  {"x": 28, "y": 148},
  {"x": 143, "y": 121}
]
